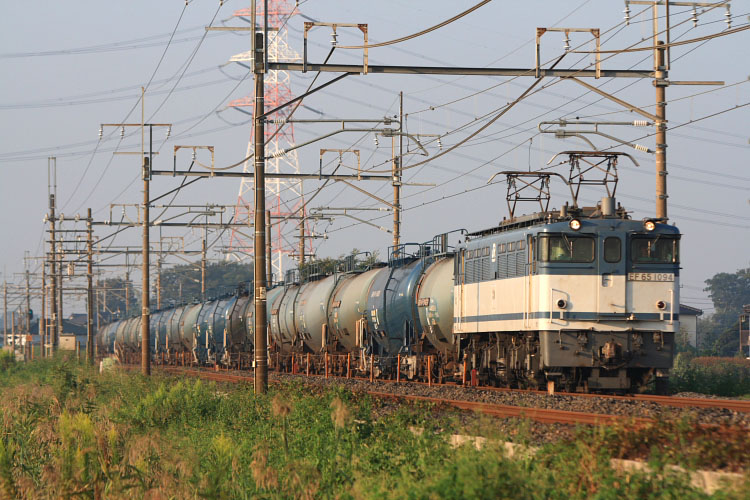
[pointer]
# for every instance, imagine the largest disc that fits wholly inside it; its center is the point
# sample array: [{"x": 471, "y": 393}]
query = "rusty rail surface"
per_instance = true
[
  {"x": 742, "y": 406},
  {"x": 543, "y": 415}
]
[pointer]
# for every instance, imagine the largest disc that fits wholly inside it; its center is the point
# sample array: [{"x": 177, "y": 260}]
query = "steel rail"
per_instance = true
[{"x": 736, "y": 405}]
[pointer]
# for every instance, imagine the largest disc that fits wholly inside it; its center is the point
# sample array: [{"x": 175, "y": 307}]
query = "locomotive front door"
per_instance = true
[{"x": 610, "y": 279}]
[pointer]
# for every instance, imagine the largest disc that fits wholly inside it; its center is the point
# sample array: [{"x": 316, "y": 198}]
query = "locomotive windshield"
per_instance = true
[
  {"x": 656, "y": 250},
  {"x": 566, "y": 248}
]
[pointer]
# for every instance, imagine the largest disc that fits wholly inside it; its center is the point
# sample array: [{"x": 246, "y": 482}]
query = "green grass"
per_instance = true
[{"x": 68, "y": 432}]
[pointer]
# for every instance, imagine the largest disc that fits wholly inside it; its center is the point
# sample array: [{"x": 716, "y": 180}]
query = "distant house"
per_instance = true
[
  {"x": 78, "y": 319},
  {"x": 689, "y": 323}
]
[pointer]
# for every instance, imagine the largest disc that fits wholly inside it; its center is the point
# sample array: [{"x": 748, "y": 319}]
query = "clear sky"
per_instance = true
[{"x": 67, "y": 67}]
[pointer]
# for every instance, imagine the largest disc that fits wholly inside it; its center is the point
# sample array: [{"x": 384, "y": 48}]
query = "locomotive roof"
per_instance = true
[{"x": 549, "y": 217}]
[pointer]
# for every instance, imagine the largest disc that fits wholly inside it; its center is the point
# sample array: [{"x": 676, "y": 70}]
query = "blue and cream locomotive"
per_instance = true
[{"x": 584, "y": 297}]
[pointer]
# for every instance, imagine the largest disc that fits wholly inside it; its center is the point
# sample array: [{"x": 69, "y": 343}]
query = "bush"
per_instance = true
[
  {"x": 185, "y": 401},
  {"x": 7, "y": 361},
  {"x": 711, "y": 375}
]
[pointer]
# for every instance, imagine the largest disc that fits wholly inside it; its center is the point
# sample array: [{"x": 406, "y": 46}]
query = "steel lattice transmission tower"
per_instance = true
[{"x": 284, "y": 197}]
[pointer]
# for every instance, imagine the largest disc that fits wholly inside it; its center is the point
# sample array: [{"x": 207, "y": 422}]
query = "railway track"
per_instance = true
[
  {"x": 539, "y": 414},
  {"x": 735, "y": 405},
  {"x": 542, "y": 415}
]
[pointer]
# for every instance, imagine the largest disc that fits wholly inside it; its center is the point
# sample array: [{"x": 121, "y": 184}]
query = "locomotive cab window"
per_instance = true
[
  {"x": 659, "y": 249},
  {"x": 612, "y": 249},
  {"x": 566, "y": 248}
]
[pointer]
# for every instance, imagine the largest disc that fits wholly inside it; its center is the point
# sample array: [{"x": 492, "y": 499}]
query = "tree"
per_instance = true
[
  {"x": 183, "y": 283},
  {"x": 353, "y": 261},
  {"x": 729, "y": 292}
]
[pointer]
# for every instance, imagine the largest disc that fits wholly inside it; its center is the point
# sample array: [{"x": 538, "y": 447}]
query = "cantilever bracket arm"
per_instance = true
[{"x": 622, "y": 103}]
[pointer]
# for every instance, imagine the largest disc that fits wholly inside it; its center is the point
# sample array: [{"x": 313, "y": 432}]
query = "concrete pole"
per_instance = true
[
  {"x": 127, "y": 294},
  {"x": 269, "y": 257},
  {"x": 97, "y": 308},
  {"x": 145, "y": 302},
  {"x": 396, "y": 170},
  {"x": 660, "y": 82},
  {"x": 261, "y": 354},
  {"x": 203, "y": 265},
  {"x": 60, "y": 315},
  {"x": 5, "y": 313},
  {"x": 158, "y": 283},
  {"x": 52, "y": 334},
  {"x": 28, "y": 305},
  {"x": 90, "y": 290},
  {"x": 42, "y": 325},
  {"x": 302, "y": 235}
]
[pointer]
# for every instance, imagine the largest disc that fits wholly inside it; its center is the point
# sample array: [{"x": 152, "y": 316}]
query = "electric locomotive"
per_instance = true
[{"x": 583, "y": 297}]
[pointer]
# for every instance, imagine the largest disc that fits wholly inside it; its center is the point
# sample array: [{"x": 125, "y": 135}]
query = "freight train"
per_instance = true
[{"x": 582, "y": 297}]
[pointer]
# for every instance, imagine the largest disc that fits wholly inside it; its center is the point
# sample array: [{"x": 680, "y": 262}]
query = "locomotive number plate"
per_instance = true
[{"x": 650, "y": 276}]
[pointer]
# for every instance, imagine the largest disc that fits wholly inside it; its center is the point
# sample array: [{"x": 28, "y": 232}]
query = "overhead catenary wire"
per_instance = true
[{"x": 420, "y": 33}]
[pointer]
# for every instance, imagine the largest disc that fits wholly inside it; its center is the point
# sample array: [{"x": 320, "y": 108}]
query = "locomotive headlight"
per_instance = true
[
  {"x": 661, "y": 304},
  {"x": 562, "y": 304},
  {"x": 649, "y": 225},
  {"x": 575, "y": 224}
]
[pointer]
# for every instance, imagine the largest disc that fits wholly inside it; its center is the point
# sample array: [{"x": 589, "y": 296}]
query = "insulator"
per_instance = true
[
  {"x": 643, "y": 149},
  {"x": 728, "y": 15},
  {"x": 334, "y": 37},
  {"x": 375, "y": 139},
  {"x": 566, "y": 47},
  {"x": 278, "y": 154},
  {"x": 641, "y": 123},
  {"x": 193, "y": 155},
  {"x": 169, "y": 131},
  {"x": 627, "y": 14},
  {"x": 101, "y": 132},
  {"x": 71, "y": 269},
  {"x": 440, "y": 143},
  {"x": 694, "y": 18},
  {"x": 122, "y": 132}
]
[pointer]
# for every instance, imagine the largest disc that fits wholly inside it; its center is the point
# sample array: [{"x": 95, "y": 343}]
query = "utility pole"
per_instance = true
[
  {"x": 147, "y": 162},
  {"x": 261, "y": 354},
  {"x": 203, "y": 264},
  {"x": 158, "y": 281},
  {"x": 60, "y": 317},
  {"x": 145, "y": 306},
  {"x": 302, "y": 235},
  {"x": 28, "y": 305},
  {"x": 127, "y": 293},
  {"x": 269, "y": 257},
  {"x": 52, "y": 192},
  {"x": 96, "y": 296},
  {"x": 42, "y": 325},
  {"x": 90, "y": 291},
  {"x": 660, "y": 82},
  {"x": 397, "y": 177},
  {"x": 5, "y": 313}
]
